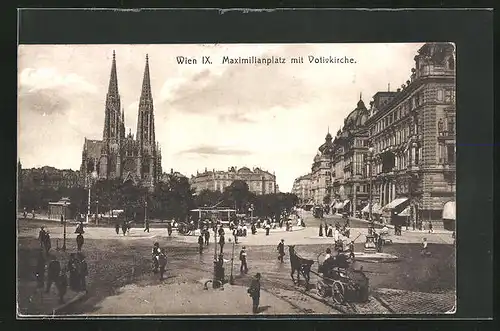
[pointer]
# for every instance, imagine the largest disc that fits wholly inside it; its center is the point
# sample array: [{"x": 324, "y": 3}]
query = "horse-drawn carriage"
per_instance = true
[
  {"x": 339, "y": 278},
  {"x": 186, "y": 228}
]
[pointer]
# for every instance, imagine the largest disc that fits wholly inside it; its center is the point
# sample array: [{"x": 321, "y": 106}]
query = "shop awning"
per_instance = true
[
  {"x": 394, "y": 203},
  {"x": 375, "y": 209},
  {"x": 405, "y": 212},
  {"x": 449, "y": 211}
]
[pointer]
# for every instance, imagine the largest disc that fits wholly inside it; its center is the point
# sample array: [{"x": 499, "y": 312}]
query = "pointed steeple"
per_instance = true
[
  {"x": 112, "y": 110},
  {"x": 145, "y": 116}
]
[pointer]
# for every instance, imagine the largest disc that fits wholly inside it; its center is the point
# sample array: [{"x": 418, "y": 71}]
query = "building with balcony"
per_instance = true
[
  {"x": 412, "y": 133},
  {"x": 302, "y": 189},
  {"x": 321, "y": 173},
  {"x": 259, "y": 181}
]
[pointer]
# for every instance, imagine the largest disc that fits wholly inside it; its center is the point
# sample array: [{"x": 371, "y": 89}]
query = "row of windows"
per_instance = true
[{"x": 400, "y": 112}]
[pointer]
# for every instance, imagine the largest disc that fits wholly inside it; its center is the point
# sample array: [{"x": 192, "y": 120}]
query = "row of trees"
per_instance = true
[{"x": 171, "y": 199}]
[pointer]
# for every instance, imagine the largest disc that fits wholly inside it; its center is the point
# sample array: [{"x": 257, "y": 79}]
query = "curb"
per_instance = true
[{"x": 79, "y": 297}]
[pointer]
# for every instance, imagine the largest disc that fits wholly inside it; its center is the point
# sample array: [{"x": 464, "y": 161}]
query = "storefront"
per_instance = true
[
  {"x": 61, "y": 207},
  {"x": 376, "y": 211},
  {"x": 391, "y": 211}
]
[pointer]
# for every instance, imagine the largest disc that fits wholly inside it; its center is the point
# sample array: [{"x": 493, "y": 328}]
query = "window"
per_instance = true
[
  {"x": 440, "y": 95},
  {"x": 451, "y": 125},
  {"x": 449, "y": 96},
  {"x": 417, "y": 155}
]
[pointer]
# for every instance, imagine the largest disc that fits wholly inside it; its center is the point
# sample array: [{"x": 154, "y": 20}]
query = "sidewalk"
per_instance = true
[{"x": 403, "y": 229}]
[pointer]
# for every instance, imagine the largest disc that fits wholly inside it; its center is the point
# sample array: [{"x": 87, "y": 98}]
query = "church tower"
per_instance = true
[
  {"x": 147, "y": 159},
  {"x": 114, "y": 129}
]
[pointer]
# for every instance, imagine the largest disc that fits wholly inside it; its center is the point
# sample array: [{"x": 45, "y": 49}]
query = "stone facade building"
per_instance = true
[
  {"x": 259, "y": 181},
  {"x": 302, "y": 189},
  {"x": 121, "y": 155},
  {"x": 404, "y": 143}
]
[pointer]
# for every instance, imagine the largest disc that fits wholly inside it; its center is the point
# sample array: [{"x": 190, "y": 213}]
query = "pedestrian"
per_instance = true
[
  {"x": 219, "y": 269},
  {"x": 162, "y": 261},
  {"x": 41, "y": 236},
  {"x": 82, "y": 272},
  {"x": 200, "y": 243},
  {"x": 53, "y": 271},
  {"x": 40, "y": 270},
  {"x": 207, "y": 237},
  {"x": 430, "y": 227},
  {"x": 25, "y": 214},
  {"x": 117, "y": 228},
  {"x": 235, "y": 235},
  {"x": 33, "y": 213},
  {"x": 62, "y": 219},
  {"x": 221, "y": 231},
  {"x": 281, "y": 250},
  {"x": 254, "y": 292},
  {"x": 380, "y": 243},
  {"x": 169, "y": 228},
  {"x": 72, "y": 267},
  {"x": 424, "y": 251},
  {"x": 124, "y": 228},
  {"x": 253, "y": 228},
  {"x": 268, "y": 227},
  {"x": 79, "y": 242},
  {"x": 330, "y": 230},
  {"x": 79, "y": 228},
  {"x": 62, "y": 285},
  {"x": 47, "y": 243},
  {"x": 222, "y": 241},
  {"x": 243, "y": 259},
  {"x": 351, "y": 250},
  {"x": 146, "y": 226},
  {"x": 413, "y": 225}
]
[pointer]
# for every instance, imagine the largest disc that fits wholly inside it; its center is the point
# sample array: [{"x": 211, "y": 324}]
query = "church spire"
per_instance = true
[
  {"x": 145, "y": 117},
  {"x": 112, "y": 109}
]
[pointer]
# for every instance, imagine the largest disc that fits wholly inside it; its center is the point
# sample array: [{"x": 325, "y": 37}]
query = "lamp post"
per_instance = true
[
  {"x": 370, "y": 159},
  {"x": 92, "y": 177},
  {"x": 97, "y": 212},
  {"x": 231, "y": 279},
  {"x": 145, "y": 214},
  {"x": 64, "y": 228}
]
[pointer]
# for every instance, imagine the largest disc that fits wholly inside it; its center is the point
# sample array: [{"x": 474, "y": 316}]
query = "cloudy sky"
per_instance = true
[{"x": 214, "y": 116}]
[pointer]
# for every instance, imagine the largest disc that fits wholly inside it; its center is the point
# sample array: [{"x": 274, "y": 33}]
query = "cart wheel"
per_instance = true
[{"x": 338, "y": 293}]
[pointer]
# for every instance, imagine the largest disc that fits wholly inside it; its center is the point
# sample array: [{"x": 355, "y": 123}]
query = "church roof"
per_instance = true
[{"x": 357, "y": 117}]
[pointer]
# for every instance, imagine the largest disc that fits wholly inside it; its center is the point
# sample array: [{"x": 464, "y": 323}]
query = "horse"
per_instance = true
[{"x": 299, "y": 265}]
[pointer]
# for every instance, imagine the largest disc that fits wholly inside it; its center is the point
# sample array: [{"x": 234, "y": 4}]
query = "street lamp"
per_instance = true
[
  {"x": 370, "y": 160},
  {"x": 64, "y": 228},
  {"x": 145, "y": 214},
  {"x": 97, "y": 212},
  {"x": 231, "y": 279},
  {"x": 93, "y": 177}
]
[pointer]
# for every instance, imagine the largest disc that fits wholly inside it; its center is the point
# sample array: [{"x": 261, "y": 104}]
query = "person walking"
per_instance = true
[
  {"x": 243, "y": 259},
  {"x": 73, "y": 272},
  {"x": 222, "y": 241},
  {"x": 146, "y": 226},
  {"x": 235, "y": 235},
  {"x": 162, "y": 261},
  {"x": 207, "y": 237},
  {"x": 124, "y": 228},
  {"x": 320, "y": 229},
  {"x": 281, "y": 250},
  {"x": 430, "y": 227},
  {"x": 79, "y": 242},
  {"x": 82, "y": 272},
  {"x": 254, "y": 292},
  {"x": 200, "y": 243},
  {"x": 268, "y": 227},
  {"x": 169, "y": 228},
  {"x": 47, "y": 244},
  {"x": 425, "y": 250},
  {"x": 53, "y": 271},
  {"x": 117, "y": 228},
  {"x": 41, "y": 237}
]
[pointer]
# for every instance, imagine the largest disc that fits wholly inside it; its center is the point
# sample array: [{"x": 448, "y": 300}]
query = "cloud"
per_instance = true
[
  {"x": 235, "y": 117},
  {"x": 44, "y": 102},
  {"x": 48, "y": 78},
  {"x": 214, "y": 150}
]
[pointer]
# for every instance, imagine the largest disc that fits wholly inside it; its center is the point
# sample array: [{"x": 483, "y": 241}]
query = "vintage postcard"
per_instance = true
[{"x": 236, "y": 179}]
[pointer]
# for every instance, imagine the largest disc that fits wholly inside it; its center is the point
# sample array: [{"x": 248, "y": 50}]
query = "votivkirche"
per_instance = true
[{"x": 122, "y": 156}]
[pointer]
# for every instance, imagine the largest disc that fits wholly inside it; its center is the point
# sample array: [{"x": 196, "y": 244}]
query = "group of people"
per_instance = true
[
  {"x": 335, "y": 232},
  {"x": 50, "y": 271}
]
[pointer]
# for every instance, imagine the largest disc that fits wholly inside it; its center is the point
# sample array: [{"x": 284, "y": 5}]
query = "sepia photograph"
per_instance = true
[{"x": 236, "y": 179}]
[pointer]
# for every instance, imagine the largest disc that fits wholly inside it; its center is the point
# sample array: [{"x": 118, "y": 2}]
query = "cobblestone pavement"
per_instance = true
[{"x": 408, "y": 302}]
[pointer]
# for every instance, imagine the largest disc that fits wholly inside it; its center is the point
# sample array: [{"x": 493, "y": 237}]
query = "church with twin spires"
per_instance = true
[{"x": 120, "y": 155}]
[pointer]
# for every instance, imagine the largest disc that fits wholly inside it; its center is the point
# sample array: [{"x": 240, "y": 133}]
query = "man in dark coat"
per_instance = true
[
  {"x": 243, "y": 259},
  {"x": 254, "y": 292},
  {"x": 82, "y": 272},
  {"x": 117, "y": 228},
  {"x": 200, "y": 243},
  {"x": 47, "y": 243},
  {"x": 207, "y": 236},
  {"x": 169, "y": 228},
  {"x": 222, "y": 241},
  {"x": 79, "y": 242},
  {"x": 53, "y": 271},
  {"x": 124, "y": 228},
  {"x": 146, "y": 227},
  {"x": 321, "y": 230},
  {"x": 79, "y": 228},
  {"x": 41, "y": 236},
  {"x": 254, "y": 228},
  {"x": 281, "y": 250},
  {"x": 62, "y": 285},
  {"x": 162, "y": 262}
]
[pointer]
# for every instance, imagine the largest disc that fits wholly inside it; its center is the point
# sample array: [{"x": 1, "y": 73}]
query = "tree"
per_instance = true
[
  {"x": 207, "y": 198},
  {"x": 238, "y": 194}
]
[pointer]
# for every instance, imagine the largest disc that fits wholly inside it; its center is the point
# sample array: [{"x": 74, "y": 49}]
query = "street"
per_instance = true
[{"x": 119, "y": 271}]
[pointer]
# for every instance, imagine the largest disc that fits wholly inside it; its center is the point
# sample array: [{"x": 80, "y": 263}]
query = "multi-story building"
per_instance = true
[
  {"x": 259, "y": 181},
  {"x": 412, "y": 135},
  {"x": 321, "y": 169},
  {"x": 119, "y": 155},
  {"x": 302, "y": 189}
]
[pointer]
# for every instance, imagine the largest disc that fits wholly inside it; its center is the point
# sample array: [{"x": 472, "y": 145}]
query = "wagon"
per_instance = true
[{"x": 343, "y": 284}]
